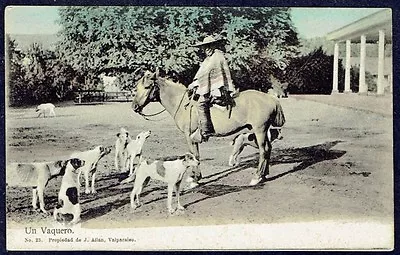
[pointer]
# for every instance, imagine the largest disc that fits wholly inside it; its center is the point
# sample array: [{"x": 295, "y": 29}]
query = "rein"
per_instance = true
[
  {"x": 180, "y": 103},
  {"x": 145, "y": 116}
]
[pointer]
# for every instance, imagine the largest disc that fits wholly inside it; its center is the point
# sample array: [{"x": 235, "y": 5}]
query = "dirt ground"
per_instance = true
[{"x": 333, "y": 163}]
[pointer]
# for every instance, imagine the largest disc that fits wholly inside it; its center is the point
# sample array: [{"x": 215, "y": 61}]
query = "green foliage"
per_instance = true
[
  {"x": 312, "y": 74},
  {"x": 355, "y": 76},
  {"x": 37, "y": 76},
  {"x": 118, "y": 40}
]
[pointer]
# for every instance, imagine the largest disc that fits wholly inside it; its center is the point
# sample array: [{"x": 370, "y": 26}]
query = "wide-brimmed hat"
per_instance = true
[{"x": 208, "y": 40}]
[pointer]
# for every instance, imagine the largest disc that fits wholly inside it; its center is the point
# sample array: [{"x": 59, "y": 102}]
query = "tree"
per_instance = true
[
  {"x": 312, "y": 73},
  {"x": 16, "y": 83},
  {"x": 37, "y": 75},
  {"x": 121, "y": 39}
]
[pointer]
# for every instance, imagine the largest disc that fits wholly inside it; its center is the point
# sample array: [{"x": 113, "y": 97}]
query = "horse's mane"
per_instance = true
[{"x": 172, "y": 83}]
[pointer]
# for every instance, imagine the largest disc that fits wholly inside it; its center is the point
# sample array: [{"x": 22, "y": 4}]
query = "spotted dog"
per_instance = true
[
  {"x": 35, "y": 175},
  {"x": 121, "y": 152},
  {"x": 242, "y": 140},
  {"x": 68, "y": 197},
  {"x": 46, "y": 109},
  {"x": 169, "y": 171},
  {"x": 134, "y": 150},
  {"x": 92, "y": 158}
]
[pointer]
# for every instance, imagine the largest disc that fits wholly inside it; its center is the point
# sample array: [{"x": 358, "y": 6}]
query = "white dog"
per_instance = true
[
  {"x": 121, "y": 153},
  {"x": 170, "y": 171},
  {"x": 34, "y": 175},
  {"x": 242, "y": 140},
  {"x": 68, "y": 197},
  {"x": 47, "y": 110},
  {"x": 91, "y": 157},
  {"x": 134, "y": 150}
]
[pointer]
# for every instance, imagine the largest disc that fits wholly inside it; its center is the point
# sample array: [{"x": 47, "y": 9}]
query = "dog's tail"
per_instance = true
[{"x": 234, "y": 139}]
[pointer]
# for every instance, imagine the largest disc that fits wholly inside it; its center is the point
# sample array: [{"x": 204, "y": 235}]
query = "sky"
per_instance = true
[{"x": 309, "y": 22}]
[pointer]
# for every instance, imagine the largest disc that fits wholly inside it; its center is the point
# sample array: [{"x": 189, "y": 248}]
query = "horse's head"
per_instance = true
[{"x": 147, "y": 90}]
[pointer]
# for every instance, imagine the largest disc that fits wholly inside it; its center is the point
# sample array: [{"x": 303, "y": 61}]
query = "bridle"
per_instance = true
[{"x": 153, "y": 96}]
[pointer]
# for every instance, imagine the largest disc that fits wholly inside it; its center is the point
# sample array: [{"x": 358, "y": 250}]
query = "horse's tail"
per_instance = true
[{"x": 279, "y": 119}]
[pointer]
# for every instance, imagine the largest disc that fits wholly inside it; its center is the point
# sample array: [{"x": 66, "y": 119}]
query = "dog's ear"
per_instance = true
[
  {"x": 101, "y": 148},
  {"x": 58, "y": 163},
  {"x": 189, "y": 156},
  {"x": 76, "y": 163},
  {"x": 63, "y": 166},
  {"x": 118, "y": 134}
]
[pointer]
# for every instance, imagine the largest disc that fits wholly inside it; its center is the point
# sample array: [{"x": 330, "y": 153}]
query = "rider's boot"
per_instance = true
[{"x": 205, "y": 129}]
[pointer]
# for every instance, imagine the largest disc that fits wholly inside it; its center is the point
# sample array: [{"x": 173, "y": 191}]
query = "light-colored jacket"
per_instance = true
[{"x": 213, "y": 74}]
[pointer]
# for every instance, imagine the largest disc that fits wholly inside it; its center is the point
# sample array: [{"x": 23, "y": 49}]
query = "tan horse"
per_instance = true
[{"x": 253, "y": 110}]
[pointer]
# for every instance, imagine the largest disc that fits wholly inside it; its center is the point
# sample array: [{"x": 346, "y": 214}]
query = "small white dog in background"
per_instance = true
[
  {"x": 92, "y": 158},
  {"x": 242, "y": 140},
  {"x": 47, "y": 110},
  {"x": 134, "y": 150},
  {"x": 169, "y": 171},
  {"x": 68, "y": 196},
  {"x": 121, "y": 152}
]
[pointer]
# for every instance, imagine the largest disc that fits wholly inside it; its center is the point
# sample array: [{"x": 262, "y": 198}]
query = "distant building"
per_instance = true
[
  {"x": 110, "y": 83},
  {"x": 375, "y": 29}
]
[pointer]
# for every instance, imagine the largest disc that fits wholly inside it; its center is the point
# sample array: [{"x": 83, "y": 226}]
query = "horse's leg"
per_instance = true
[
  {"x": 195, "y": 173},
  {"x": 264, "y": 147}
]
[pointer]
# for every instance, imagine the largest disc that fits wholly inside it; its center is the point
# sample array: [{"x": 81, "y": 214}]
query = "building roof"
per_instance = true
[{"x": 368, "y": 26}]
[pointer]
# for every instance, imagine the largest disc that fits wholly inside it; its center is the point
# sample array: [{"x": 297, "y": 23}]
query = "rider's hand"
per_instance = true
[{"x": 235, "y": 93}]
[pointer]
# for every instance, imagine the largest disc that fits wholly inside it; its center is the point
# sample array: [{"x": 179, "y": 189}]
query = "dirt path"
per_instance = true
[{"x": 333, "y": 163}]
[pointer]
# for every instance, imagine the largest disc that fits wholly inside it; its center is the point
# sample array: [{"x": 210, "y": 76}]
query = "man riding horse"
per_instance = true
[
  {"x": 252, "y": 109},
  {"x": 212, "y": 80}
]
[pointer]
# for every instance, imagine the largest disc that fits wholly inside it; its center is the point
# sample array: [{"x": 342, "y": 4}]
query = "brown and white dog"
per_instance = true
[
  {"x": 121, "y": 153},
  {"x": 92, "y": 158},
  {"x": 134, "y": 150},
  {"x": 68, "y": 196},
  {"x": 242, "y": 140},
  {"x": 169, "y": 171},
  {"x": 35, "y": 175},
  {"x": 47, "y": 110}
]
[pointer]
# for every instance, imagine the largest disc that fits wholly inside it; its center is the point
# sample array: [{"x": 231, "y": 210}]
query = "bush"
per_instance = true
[
  {"x": 355, "y": 76},
  {"x": 312, "y": 73}
]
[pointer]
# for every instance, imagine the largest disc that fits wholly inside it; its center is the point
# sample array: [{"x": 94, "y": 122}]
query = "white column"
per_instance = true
[
  {"x": 381, "y": 61},
  {"x": 347, "y": 71},
  {"x": 335, "y": 69},
  {"x": 362, "y": 87}
]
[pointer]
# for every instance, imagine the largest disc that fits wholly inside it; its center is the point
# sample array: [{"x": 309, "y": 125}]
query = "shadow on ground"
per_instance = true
[
  {"x": 100, "y": 204},
  {"x": 306, "y": 156}
]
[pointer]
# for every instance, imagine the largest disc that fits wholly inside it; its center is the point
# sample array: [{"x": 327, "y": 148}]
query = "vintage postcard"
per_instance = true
[{"x": 198, "y": 128}]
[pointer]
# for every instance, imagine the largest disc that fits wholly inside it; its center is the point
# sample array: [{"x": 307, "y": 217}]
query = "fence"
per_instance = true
[{"x": 97, "y": 96}]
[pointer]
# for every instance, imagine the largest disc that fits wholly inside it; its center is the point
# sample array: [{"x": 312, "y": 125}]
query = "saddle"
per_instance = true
[{"x": 225, "y": 100}]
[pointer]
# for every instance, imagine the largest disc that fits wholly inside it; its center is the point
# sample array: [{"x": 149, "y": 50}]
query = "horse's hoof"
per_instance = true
[
  {"x": 196, "y": 136},
  {"x": 255, "y": 181}
]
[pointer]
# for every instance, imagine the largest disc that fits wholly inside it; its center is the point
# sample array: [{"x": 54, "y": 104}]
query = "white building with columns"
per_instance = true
[{"x": 374, "y": 29}]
